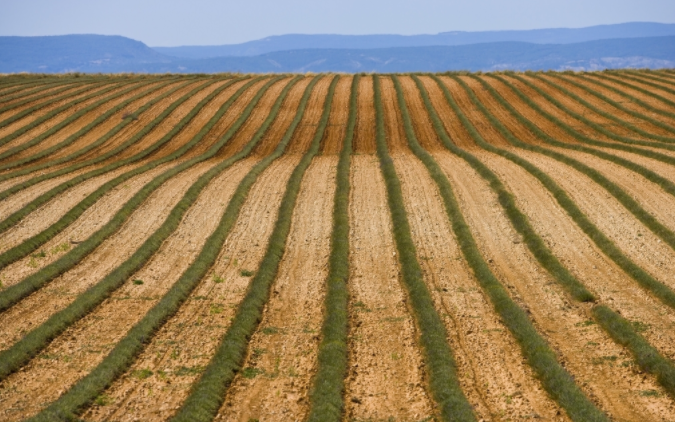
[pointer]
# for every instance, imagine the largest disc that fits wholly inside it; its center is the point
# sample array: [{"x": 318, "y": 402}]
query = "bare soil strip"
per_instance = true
[
  {"x": 83, "y": 121},
  {"x": 307, "y": 127},
  {"x": 491, "y": 366},
  {"x": 41, "y": 112},
  {"x": 647, "y": 193},
  {"x": 171, "y": 357},
  {"x": 337, "y": 125},
  {"x": 596, "y": 362},
  {"x": 596, "y": 102},
  {"x": 612, "y": 80},
  {"x": 386, "y": 376},
  {"x": 84, "y": 345},
  {"x": 92, "y": 135},
  {"x": 39, "y": 306},
  {"x": 29, "y": 135},
  {"x": 364, "y": 134},
  {"x": 631, "y": 236},
  {"x": 277, "y": 373},
  {"x": 284, "y": 118}
]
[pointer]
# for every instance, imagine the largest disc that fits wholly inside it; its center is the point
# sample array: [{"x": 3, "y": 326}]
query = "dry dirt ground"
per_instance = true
[{"x": 387, "y": 376}]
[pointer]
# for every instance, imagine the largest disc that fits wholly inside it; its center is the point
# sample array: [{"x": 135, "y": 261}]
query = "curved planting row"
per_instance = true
[
  {"x": 7, "y": 88},
  {"x": 74, "y": 137},
  {"x": 208, "y": 393},
  {"x": 615, "y": 104},
  {"x": 326, "y": 397},
  {"x": 68, "y": 120},
  {"x": 578, "y": 135},
  {"x": 18, "y": 291},
  {"x": 538, "y": 353},
  {"x": 120, "y": 358},
  {"x": 41, "y": 238},
  {"x": 439, "y": 359},
  {"x": 93, "y": 145},
  {"x": 649, "y": 359},
  {"x": 617, "y": 192},
  {"x": 622, "y": 81},
  {"x": 107, "y": 87},
  {"x": 27, "y": 97}
]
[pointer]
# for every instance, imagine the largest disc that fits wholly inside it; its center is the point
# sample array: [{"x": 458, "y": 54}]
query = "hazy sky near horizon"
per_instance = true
[{"x": 213, "y": 22}]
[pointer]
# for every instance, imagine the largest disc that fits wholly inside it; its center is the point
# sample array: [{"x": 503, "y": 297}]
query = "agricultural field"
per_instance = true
[{"x": 413, "y": 247}]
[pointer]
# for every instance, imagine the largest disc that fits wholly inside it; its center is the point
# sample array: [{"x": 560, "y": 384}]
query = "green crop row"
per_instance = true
[
  {"x": 578, "y": 135},
  {"x": 14, "y": 293},
  {"x": 100, "y": 141},
  {"x": 120, "y": 358},
  {"x": 65, "y": 122},
  {"x": 31, "y": 244},
  {"x": 555, "y": 379},
  {"x": 615, "y": 190},
  {"x": 619, "y": 106},
  {"x": 56, "y": 111},
  {"x": 665, "y": 184},
  {"x": 621, "y": 80},
  {"x": 23, "y": 95},
  {"x": 7, "y": 88},
  {"x": 628, "y": 337},
  {"x": 438, "y": 357},
  {"x": 661, "y": 77},
  {"x": 208, "y": 393},
  {"x": 326, "y": 397},
  {"x": 72, "y": 138}
]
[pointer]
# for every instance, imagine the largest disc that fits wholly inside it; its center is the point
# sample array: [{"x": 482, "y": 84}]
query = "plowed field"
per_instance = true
[{"x": 450, "y": 247}]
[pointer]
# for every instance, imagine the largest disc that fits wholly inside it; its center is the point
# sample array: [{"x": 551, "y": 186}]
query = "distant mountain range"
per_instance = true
[
  {"x": 360, "y": 42},
  {"x": 544, "y": 49}
]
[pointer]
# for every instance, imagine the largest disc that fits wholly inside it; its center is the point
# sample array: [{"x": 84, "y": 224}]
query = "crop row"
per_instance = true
[
  {"x": 664, "y": 142},
  {"x": 75, "y": 136},
  {"x": 555, "y": 379},
  {"x": 326, "y": 397},
  {"x": 208, "y": 393},
  {"x": 580, "y": 136},
  {"x": 653, "y": 94},
  {"x": 612, "y": 188},
  {"x": 91, "y": 146},
  {"x": 439, "y": 359},
  {"x": 27, "y": 96},
  {"x": 621, "y": 107},
  {"x": 20, "y": 290},
  {"x": 44, "y": 236},
  {"x": 69, "y": 96},
  {"x": 647, "y": 357},
  {"x": 119, "y": 359}
]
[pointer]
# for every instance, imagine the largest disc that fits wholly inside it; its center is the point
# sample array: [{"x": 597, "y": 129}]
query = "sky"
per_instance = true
[{"x": 213, "y": 22}]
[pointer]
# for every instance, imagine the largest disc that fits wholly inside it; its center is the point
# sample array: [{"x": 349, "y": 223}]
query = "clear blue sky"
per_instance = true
[{"x": 213, "y": 22}]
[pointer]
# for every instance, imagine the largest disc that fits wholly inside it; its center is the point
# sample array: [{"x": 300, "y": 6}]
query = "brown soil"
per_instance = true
[
  {"x": 43, "y": 93},
  {"x": 458, "y": 135},
  {"x": 310, "y": 120},
  {"x": 396, "y": 139},
  {"x": 595, "y": 361},
  {"x": 649, "y": 194},
  {"x": 386, "y": 376},
  {"x": 284, "y": 349},
  {"x": 337, "y": 123},
  {"x": 285, "y": 117},
  {"x": 255, "y": 120},
  {"x": 602, "y": 105},
  {"x": 94, "y": 134},
  {"x": 85, "y": 343},
  {"x": 649, "y": 99},
  {"x": 424, "y": 129},
  {"x": 364, "y": 133},
  {"x": 631, "y": 236},
  {"x": 491, "y": 367},
  {"x": 204, "y": 318},
  {"x": 56, "y": 119},
  {"x": 78, "y": 124},
  {"x": 39, "y": 99}
]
